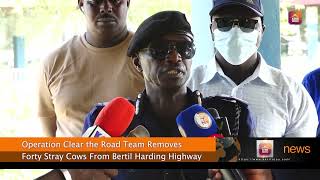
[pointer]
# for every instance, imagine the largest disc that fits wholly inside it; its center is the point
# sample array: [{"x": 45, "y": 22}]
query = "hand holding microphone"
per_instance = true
[
  {"x": 112, "y": 121},
  {"x": 196, "y": 121},
  {"x": 229, "y": 144}
]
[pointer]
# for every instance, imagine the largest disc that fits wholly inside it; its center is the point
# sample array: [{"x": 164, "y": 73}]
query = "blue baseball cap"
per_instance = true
[{"x": 254, "y": 5}]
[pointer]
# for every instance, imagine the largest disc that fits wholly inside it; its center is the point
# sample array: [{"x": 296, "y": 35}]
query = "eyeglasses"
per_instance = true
[
  {"x": 160, "y": 49},
  {"x": 246, "y": 24}
]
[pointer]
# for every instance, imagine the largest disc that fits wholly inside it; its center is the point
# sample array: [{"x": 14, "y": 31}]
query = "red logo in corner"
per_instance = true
[
  {"x": 295, "y": 17},
  {"x": 264, "y": 148}
]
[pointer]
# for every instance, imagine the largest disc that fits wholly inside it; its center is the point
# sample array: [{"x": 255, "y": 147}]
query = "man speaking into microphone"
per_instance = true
[{"x": 162, "y": 49}]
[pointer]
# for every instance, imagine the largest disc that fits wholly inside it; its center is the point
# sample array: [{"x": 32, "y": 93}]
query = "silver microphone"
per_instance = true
[{"x": 139, "y": 131}]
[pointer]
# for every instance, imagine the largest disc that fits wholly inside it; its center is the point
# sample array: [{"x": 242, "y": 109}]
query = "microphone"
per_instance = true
[
  {"x": 227, "y": 142},
  {"x": 113, "y": 119},
  {"x": 139, "y": 131},
  {"x": 222, "y": 122},
  {"x": 196, "y": 121}
]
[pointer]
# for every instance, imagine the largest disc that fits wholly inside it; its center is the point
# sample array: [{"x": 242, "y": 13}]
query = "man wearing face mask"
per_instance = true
[{"x": 280, "y": 106}]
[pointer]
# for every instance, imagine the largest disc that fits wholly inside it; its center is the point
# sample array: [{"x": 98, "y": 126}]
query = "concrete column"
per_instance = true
[
  {"x": 270, "y": 46},
  {"x": 18, "y": 48},
  {"x": 200, "y": 24},
  {"x": 312, "y": 31}
]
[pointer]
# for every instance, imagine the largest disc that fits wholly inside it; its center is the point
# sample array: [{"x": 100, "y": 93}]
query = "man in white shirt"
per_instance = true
[{"x": 280, "y": 106}]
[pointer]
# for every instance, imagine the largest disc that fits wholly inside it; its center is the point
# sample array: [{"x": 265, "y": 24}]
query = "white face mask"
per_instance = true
[{"x": 236, "y": 46}]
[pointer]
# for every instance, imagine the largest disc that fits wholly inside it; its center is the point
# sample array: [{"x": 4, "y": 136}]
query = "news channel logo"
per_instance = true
[
  {"x": 264, "y": 148},
  {"x": 295, "y": 17}
]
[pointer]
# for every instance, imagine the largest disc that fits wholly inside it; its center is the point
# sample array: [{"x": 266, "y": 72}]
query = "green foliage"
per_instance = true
[
  {"x": 47, "y": 20},
  {"x": 141, "y": 9},
  {"x": 39, "y": 18}
]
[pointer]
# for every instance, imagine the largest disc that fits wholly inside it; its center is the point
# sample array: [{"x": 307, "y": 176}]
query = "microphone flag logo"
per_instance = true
[
  {"x": 202, "y": 120},
  {"x": 97, "y": 134}
]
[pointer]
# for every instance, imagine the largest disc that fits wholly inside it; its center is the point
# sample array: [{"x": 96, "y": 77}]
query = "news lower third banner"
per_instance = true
[
  {"x": 129, "y": 152},
  {"x": 108, "y": 150}
]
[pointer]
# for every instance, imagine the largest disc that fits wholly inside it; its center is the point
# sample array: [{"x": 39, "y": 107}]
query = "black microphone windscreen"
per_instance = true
[
  {"x": 222, "y": 123},
  {"x": 214, "y": 113}
]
